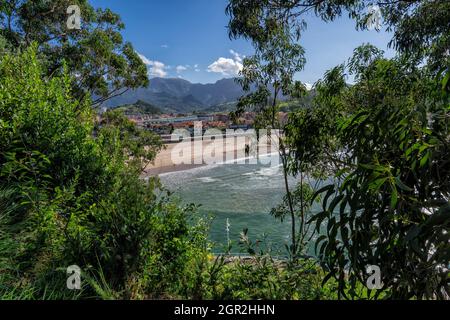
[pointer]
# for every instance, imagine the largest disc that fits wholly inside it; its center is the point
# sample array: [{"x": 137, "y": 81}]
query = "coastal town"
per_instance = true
[{"x": 165, "y": 124}]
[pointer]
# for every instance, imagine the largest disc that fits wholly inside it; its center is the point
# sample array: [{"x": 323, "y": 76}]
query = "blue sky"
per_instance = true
[{"x": 189, "y": 39}]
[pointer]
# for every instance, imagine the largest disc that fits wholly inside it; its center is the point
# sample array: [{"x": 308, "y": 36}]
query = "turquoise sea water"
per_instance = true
[{"x": 242, "y": 193}]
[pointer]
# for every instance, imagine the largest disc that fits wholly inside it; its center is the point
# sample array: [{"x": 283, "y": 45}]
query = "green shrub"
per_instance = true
[{"x": 72, "y": 197}]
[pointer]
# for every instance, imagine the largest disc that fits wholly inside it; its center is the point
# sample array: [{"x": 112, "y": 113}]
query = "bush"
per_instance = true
[{"x": 69, "y": 196}]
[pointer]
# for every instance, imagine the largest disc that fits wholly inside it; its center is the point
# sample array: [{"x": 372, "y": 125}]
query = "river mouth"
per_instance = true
[{"x": 242, "y": 194}]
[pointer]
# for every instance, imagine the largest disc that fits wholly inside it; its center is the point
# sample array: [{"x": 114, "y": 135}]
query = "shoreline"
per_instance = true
[
  {"x": 156, "y": 171},
  {"x": 164, "y": 163}
]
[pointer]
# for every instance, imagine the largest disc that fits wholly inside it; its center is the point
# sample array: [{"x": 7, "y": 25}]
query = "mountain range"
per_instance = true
[{"x": 182, "y": 96}]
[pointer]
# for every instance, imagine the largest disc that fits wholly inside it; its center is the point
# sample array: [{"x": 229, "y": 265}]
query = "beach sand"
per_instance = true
[{"x": 188, "y": 155}]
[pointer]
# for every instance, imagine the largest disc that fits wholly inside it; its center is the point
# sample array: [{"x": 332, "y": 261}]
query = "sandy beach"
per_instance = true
[{"x": 189, "y": 155}]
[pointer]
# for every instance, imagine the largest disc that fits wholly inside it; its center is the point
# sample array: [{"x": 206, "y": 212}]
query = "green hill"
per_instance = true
[{"x": 139, "y": 107}]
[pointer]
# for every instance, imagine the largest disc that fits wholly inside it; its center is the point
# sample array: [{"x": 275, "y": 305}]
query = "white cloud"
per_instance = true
[
  {"x": 181, "y": 69},
  {"x": 155, "y": 68},
  {"x": 164, "y": 46},
  {"x": 158, "y": 69},
  {"x": 196, "y": 66},
  {"x": 225, "y": 66}
]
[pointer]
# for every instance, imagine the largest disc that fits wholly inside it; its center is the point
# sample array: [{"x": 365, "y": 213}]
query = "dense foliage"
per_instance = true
[
  {"x": 389, "y": 204},
  {"x": 383, "y": 143},
  {"x": 96, "y": 55},
  {"x": 69, "y": 197}
]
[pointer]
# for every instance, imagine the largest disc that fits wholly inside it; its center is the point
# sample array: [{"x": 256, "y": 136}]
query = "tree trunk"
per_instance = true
[{"x": 283, "y": 156}]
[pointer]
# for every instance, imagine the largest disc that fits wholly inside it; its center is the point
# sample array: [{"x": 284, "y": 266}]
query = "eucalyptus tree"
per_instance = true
[
  {"x": 420, "y": 27},
  {"x": 269, "y": 74},
  {"x": 96, "y": 55},
  {"x": 391, "y": 207}
]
